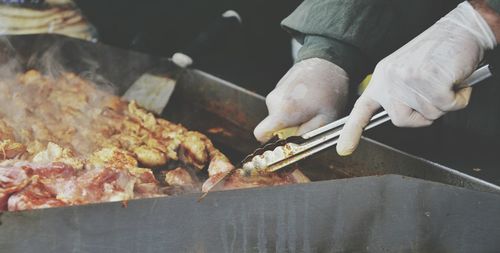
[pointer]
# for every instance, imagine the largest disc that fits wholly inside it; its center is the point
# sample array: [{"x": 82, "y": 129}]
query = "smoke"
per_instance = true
[
  {"x": 10, "y": 63},
  {"x": 53, "y": 96},
  {"x": 68, "y": 56}
]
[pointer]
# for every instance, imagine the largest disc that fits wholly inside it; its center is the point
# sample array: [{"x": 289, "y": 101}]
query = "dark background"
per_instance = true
[{"x": 255, "y": 56}]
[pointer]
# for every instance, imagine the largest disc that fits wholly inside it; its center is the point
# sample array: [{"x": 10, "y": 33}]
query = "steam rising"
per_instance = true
[{"x": 52, "y": 104}]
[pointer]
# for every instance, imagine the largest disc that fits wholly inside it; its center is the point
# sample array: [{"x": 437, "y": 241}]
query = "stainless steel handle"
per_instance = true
[{"x": 477, "y": 76}]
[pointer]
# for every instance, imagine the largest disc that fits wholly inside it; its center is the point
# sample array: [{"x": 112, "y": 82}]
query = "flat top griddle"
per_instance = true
[{"x": 370, "y": 201}]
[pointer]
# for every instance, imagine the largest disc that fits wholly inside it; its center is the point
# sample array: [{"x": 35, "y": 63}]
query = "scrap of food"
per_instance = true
[{"x": 64, "y": 141}]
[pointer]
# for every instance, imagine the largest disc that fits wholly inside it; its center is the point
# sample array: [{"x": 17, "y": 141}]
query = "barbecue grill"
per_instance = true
[{"x": 378, "y": 200}]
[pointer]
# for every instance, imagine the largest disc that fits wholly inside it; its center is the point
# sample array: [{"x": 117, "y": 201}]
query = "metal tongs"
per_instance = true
[{"x": 276, "y": 155}]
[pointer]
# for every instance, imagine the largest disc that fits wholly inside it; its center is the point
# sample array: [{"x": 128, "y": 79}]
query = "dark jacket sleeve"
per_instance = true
[
  {"x": 494, "y": 4},
  {"x": 355, "y": 34}
]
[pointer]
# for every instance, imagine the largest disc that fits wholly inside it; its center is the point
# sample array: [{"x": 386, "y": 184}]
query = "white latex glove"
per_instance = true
[
  {"x": 415, "y": 84},
  {"x": 311, "y": 94}
]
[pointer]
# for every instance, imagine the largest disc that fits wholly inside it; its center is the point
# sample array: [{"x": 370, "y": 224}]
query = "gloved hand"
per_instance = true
[
  {"x": 313, "y": 93},
  {"x": 415, "y": 84}
]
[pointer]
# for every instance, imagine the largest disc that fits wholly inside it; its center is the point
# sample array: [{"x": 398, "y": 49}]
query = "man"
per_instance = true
[{"x": 341, "y": 41}]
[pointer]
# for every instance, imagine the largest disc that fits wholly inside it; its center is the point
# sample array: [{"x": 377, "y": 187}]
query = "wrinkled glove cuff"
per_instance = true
[
  {"x": 466, "y": 17},
  {"x": 343, "y": 55}
]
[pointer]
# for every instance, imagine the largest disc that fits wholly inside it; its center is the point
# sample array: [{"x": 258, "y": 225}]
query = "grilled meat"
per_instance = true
[
  {"x": 179, "y": 177},
  {"x": 58, "y": 184},
  {"x": 239, "y": 180},
  {"x": 12, "y": 180},
  {"x": 65, "y": 142}
]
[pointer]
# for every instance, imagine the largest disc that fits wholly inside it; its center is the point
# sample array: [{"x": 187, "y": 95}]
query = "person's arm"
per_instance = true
[
  {"x": 416, "y": 84},
  {"x": 314, "y": 92},
  {"x": 356, "y": 34},
  {"x": 490, "y": 11},
  {"x": 339, "y": 31}
]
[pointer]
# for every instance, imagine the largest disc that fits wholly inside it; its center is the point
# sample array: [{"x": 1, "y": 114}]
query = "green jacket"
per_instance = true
[
  {"x": 494, "y": 4},
  {"x": 356, "y": 34}
]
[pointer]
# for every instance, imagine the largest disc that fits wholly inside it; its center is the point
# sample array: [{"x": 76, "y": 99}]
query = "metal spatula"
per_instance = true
[{"x": 153, "y": 89}]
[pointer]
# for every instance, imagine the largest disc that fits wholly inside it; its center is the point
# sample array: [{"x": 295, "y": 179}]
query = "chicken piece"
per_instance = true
[
  {"x": 12, "y": 180},
  {"x": 144, "y": 174},
  {"x": 219, "y": 168},
  {"x": 110, "y": 117},
  {"x": 149, "y": 157},
  {"x": 238, "y": 180},
  {"x": 76, "y": 100},
  {"x": 55, "y": 153},
  {"x": 10, "y": 149},
  {"x": 131, "y": 127},
  {"x": 169, "y": 147},
  {"x": 71, "y": 114},
  {"x": 154, "y": 143},
  {"x": 193, "y": 150},
  {"x": 111, "y": 157},
  {"x": 146, "y": 119},
  {"x": 114, "y": 103},
  {"x": 102, "y": 127},
  {"x": 128, "y": 141},
  {"x": 219, "y": 163},
  {"x": 57, "y": 178},
  {"x": 36, "y": 83},
  {"x": 30, "y": 76},
  {"x": 72, "y": 83},
  {"x": 106, "y": 184},
  {"x": 101, "y": 142},
  {"x": 168, "y": 130},
  {"x": 34, "y": 196},
  {"x": 171, "y": 136},
  {"x": 58, "y": 185},
  {"x": 47, "y": 186},
  {"x": 34, "y": 147},
  {"x": 146, "y": 184},
  {"x": 6, "y": 132},
  {"x": 179, "y": 177}
]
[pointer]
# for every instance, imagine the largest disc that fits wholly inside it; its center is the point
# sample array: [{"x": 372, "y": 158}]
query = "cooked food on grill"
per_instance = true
[
  {"x": 63, "y": 141},
  {"x": 239, "y": 179}
]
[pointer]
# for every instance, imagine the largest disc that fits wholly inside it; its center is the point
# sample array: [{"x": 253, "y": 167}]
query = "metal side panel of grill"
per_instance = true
[{"x": 368, "y": 214}]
